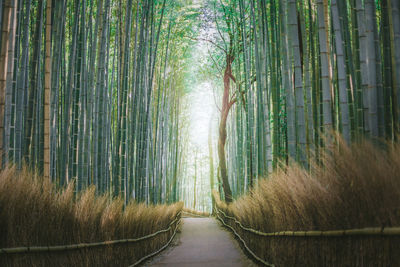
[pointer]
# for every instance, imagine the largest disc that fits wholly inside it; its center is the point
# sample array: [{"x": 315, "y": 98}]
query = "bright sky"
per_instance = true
[
  {"x": 201, "y": 110},
  {"x": 202, "y": 103}
]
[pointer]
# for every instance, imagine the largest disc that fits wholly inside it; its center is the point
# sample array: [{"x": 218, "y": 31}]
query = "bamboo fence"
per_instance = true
[{"x": 17, "y": 250}]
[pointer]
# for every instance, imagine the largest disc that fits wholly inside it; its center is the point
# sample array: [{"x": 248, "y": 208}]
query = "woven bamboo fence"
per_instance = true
[
  {"x": 372, "y": 246},
  {"x": 84, "y": 247}
]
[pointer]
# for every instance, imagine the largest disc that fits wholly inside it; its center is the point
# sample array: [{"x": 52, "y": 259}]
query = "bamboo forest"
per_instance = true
[{"x": 199, "y": 132}]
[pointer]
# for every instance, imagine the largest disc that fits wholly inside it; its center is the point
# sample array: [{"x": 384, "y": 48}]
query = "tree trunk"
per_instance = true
[{"x": 226, "y": 105}]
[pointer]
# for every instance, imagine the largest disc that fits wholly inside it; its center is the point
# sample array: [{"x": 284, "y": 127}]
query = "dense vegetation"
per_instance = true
[
  {"x": 293, "y": 72},
  {"x": 95, "y": 97},
  {"x": 34, "y": 213},
  {"x": 92, "y": 91},
  {"x": 90, "y": 94},
  {"x": 89, "y": 99},
  {"x": 358, "y": 187}
]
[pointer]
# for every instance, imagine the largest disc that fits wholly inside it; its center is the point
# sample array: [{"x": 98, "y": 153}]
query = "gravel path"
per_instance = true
[{"x": 203, "y": 242}]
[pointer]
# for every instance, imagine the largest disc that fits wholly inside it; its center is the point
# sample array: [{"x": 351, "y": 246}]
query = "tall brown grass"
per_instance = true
[
  {"x": 34, "y": 213},
  {"x": 357, "y": 187}
]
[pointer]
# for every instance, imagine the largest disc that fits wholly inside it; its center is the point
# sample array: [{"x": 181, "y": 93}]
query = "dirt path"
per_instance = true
[{"x": 203, "y": 242}]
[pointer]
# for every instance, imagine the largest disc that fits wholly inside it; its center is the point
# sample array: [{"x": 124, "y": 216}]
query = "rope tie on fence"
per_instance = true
[
  {"x": 244, "y": 243},
  {"x": 384, "y": 231},
  {"x": 87, "y": 245}
]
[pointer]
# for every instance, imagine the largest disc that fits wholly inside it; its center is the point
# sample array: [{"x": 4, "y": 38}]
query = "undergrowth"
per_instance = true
[
  {"x": 354, "y": 187},
  {"x": 34, "y": 213}
]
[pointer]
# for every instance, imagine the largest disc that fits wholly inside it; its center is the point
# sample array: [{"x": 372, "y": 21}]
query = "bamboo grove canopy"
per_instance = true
[{"x": 92, "y": 91}]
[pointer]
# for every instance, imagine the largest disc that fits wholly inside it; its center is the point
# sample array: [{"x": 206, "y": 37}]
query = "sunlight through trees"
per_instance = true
[{"x": 148, "y": 99}]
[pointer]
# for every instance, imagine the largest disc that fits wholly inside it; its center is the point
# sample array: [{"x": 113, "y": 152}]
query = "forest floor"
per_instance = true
[{"x": 203, "y": 242}]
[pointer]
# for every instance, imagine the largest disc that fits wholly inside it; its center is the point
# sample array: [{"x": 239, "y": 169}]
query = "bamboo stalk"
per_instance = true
[
  {"x": 8, "y": 7},
  {"x": 47, "y": 91}
]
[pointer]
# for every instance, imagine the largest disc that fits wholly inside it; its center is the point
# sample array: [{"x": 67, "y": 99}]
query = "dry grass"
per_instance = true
[
  {"x": 358, "y": 187},
  {"x": 33, "y": 213}
]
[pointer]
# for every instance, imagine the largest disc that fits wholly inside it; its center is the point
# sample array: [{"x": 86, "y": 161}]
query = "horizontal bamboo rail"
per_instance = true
[
  {"x": 244, "y": 243},
  {"x": 381, "y": 231},
  {"x": 193, "y": 215},
  {"x": 158, "y": 251},
  {"x": 85, "y": 245},
  {"x": 187, "y": 212}
]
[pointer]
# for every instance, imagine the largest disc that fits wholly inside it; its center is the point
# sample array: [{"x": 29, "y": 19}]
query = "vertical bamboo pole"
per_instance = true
[
  {"x": 341, "y": 68},
  {"x": 8, "y": 7},
  {"x": 47, "y": 89},
  {"x": 325, "y": 67}
]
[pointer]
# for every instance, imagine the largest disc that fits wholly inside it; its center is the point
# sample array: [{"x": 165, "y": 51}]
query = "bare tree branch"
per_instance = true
[
  {"x": 233, "y": 101},
  {"x": 216, "y": 23},
  {"x": 232, "y": 77},
  {"x": 210, "y": 41},
  {"x": 215, "y": 63}
]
